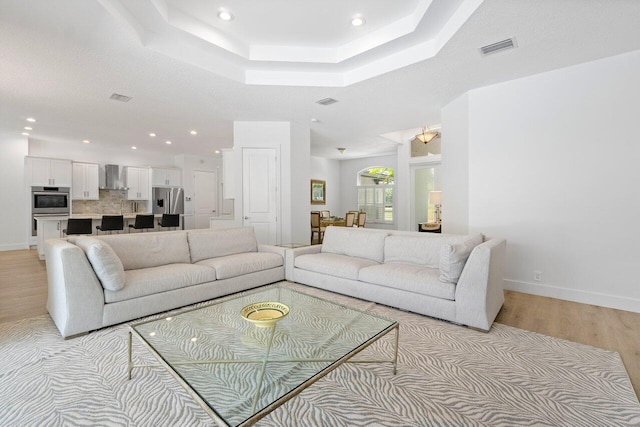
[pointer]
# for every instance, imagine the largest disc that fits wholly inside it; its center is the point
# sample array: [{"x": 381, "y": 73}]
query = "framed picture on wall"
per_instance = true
[{"x": 318, "y": 192}]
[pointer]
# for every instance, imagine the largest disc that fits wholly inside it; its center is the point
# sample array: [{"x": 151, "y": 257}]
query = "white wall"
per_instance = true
[
  {"x": 554, "y": 168},
  {"x": 14, "y": 222},
  {"x": 293, "y": 147},
  {"x": 349, "y": 181},
  {"x": 327, "y": 170},
  {"x": 455, "y": 166},
  {"x": 300, "y": 176}
]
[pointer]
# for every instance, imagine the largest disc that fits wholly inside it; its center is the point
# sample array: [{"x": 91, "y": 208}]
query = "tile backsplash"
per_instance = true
[{"x": 112, "y": 202}]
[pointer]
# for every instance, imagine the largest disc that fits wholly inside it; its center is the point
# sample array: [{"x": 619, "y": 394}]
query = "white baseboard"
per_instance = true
[
  {"x": 14, "y": 247},
  {"x": 575, "y": 295}
]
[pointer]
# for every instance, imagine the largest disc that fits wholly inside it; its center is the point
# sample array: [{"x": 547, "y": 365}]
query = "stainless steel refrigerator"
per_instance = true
[{"x": 168, "y": 200}]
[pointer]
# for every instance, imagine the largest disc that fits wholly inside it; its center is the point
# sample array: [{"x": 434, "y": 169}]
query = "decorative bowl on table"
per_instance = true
[{"x": 264, "y": 314}]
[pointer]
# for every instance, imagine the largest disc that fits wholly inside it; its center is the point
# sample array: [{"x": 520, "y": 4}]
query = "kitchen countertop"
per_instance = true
[{"x": 95, "y": 216}]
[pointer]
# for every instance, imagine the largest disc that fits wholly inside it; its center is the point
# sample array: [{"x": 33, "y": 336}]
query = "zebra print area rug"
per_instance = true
[{"x": 448, "y": 375}]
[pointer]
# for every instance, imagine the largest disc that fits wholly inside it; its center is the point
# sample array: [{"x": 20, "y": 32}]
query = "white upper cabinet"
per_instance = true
[
  {"x": 45, "y": 172},
  {"x": 138, "y": 183},
  {"x": 85, "y": 181},
  {"x": 165, "y": 177}
]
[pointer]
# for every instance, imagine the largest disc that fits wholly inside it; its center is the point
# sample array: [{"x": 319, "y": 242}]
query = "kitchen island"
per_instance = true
[{"x": 51, "y": 226}]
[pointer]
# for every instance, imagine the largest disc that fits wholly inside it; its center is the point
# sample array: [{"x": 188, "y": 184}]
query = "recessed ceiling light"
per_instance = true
[
  {"x": 152, "y": 135},
  {"x": 314, "y": 120},
  {"x": 28, "y": 128},
  {"x": 168, "y": 142},
  {"x": 217, "y": 151},
  {"x": 86, "y": 141},
  {"x": 225, "y": 16},
  {"x": 25, "y": 133},
  {"x": 31, "y": 119},
  {"x": 358, "y": 21},
  {"x": 193, "y": 132},
  {"x": 133, "y": 147}
]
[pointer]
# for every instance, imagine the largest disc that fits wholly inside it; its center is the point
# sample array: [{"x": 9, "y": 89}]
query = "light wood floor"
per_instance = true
[{"x": 23, "y": 294}]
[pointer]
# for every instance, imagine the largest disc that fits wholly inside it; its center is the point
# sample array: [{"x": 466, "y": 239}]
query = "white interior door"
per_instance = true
[
  {"x": 205, "y": 197},
  {"x": 260, "y": 193}
]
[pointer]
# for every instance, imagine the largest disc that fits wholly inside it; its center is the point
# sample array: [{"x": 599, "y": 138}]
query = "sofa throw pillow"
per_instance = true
[
  {"x": 104, "y": 261},
  {"x": 422, "y": 248},
  {"x": 453, "y": 257}
]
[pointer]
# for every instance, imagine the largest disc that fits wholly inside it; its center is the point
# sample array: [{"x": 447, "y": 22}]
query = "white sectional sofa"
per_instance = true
[
  {"x": 100, "y": 281},
  {"x": 451, "y": 277}
]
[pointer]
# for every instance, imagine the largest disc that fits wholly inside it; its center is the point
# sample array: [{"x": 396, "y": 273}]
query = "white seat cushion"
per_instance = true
[
  {"x": 154, "y": 280},
  {"x": 240, "y": 264},
  {"x": 409, "y": 277},
  {"x": 333, "y": 264}
]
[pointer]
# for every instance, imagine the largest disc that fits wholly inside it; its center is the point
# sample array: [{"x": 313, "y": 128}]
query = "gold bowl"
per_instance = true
[{"x": 264, "y": 314}]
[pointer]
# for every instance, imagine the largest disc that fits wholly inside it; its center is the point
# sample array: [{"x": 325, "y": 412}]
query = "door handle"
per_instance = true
[
  {"x": 213, "y": 210},
  {"x": 246, "y": 217}
]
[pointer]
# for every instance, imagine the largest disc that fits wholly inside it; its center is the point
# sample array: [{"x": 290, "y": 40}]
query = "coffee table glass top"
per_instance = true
[{"x": 239, "y": 370}]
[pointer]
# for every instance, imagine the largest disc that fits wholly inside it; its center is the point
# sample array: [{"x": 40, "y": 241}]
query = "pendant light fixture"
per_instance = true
[{"x": 427, "y": 135}]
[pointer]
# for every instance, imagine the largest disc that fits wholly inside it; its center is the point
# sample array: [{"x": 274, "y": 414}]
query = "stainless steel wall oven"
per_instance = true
[{"x": 48, "y": 201}]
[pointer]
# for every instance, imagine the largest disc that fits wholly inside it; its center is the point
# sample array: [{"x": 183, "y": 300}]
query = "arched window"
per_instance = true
[{"x": 375, "y": 193}]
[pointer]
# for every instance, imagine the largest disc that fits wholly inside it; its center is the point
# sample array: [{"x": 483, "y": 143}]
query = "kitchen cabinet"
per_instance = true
[
  {"x": 161, "y": 177},
  {"x": 46, "y": 172},
  {"x": 228, "y": 174},
  {"x": 85, "y": 181},
  {"x": 48, "y": 228},
  {"x": 138, "y": 183}
]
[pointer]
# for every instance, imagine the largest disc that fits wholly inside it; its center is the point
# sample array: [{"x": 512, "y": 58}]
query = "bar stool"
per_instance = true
[
  {"x": 169, "y": 220},
  {"x": 143, "y": 222},
  {"x": 111, "y": 223},
  {"x": 78, "y": 226}
]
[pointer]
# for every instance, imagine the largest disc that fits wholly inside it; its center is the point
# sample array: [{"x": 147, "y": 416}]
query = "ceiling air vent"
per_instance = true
[
  {"x": 121, "y": 98},
  {"x": 497, "y": 47},
  {"x": 327, "y": 101}
]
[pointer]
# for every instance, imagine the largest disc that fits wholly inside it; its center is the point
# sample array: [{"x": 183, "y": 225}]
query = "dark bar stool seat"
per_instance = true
[
  {"x": 143, "y": 222},
  {"x": 169, "y": 220},
  {"x": 78, "y": 226},
  {"x": 111, "y": 223}
]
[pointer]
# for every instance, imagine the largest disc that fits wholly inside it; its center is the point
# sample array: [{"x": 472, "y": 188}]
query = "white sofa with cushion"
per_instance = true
[
  {"x": 100, "y": 281},
  {"x": 458, "y": 278}
]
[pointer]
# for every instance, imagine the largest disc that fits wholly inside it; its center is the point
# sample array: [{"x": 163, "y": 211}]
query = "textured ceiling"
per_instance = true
[{"x": 60, "y": 62}]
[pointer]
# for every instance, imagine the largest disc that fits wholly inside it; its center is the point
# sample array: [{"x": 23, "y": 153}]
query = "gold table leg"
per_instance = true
[{"x": 129, "y": 361}]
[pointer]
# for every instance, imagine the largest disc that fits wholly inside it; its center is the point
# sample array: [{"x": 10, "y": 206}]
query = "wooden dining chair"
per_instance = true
[
  {"x": 349, "y": 219},
  {"x": 362, "y": 218},
  {"x": 315, "y": 226}
]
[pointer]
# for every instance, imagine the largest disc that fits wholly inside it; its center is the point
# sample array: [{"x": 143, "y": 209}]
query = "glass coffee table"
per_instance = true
[{"x": 240, "y": 372}]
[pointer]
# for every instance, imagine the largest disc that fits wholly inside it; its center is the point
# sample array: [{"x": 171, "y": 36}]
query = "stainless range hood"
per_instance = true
[{"x": 115, "y": 178}]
